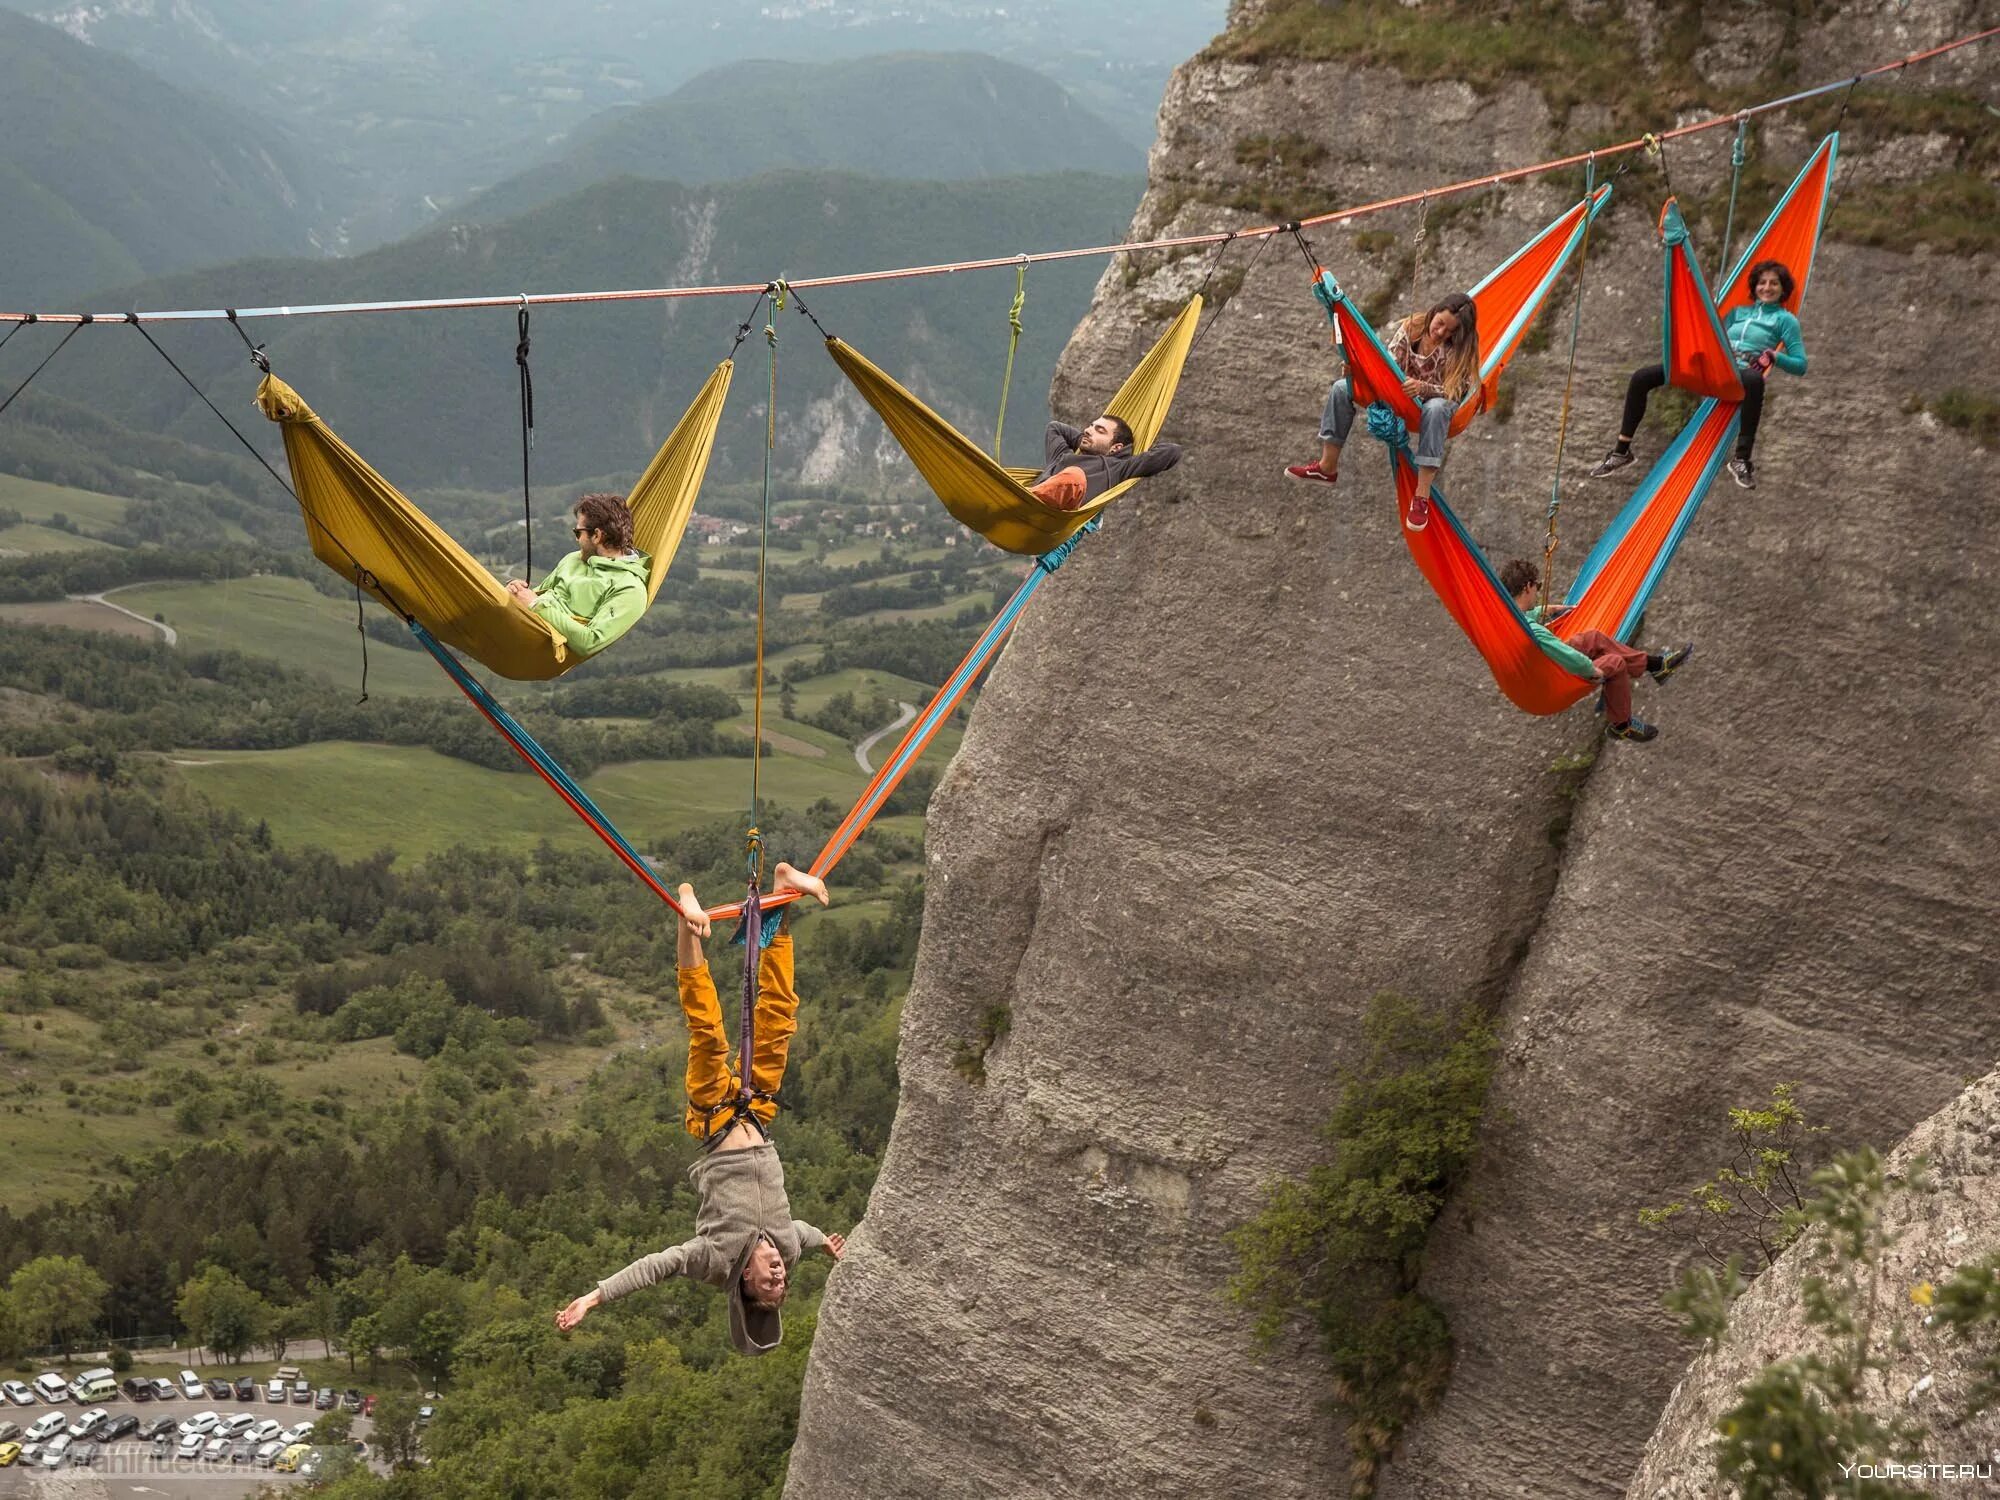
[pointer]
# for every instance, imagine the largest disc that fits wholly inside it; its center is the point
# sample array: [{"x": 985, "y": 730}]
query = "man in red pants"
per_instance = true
[{"x": 1593, "y": 654}]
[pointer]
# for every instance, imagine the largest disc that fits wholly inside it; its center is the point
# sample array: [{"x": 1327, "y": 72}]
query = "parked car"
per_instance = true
[
  {"x": 10, "y": 1432},
  {"x": 288, "y": 1461},
  {"x": 159, "y": 1427},
  {"x": 120, "y": 1426},
  {"x": 216, "y": 1451},
  {"x": 165, "y": 1390},
  {"x": 55, "y": 1450},
  {"x": 268, "y": 1451},
  {"x": 87, "y": 1422},
  {"x": 352, "y": 1400},
  {"x": 82, "y": 1455},
  {"x": 95, "y": 1385},
  {"x": 298, "y": 1432},
  {"x": 243, "y": 1452},
  {"x": 274, "y": 1392},
  {"x": 51, "y": 1387},
  {"x": 136, "y": 1389},
  {"x": 368, "y": 1405},
  {"x": 190, "y": 1445},
  {"x": 424, "y": 1415},
  {"x": 221, "y": 1390},
  {"x": 326, "y": 1400},
  {"x": 18, "y": 1393},
  {"x": 301, "y": 1392},
  {"x": 31, "y": 1453},
  {"x": 193, "y": 1386},
  {"x": 8, "y": 1453},
  {"x": 235, "y": 1424},
  {"x": 201, "y": 1424},
  {"x": 246, "y": 1389},
  {"x": 46, "y": 1426},
  {"x": 264, "y": 1431}
]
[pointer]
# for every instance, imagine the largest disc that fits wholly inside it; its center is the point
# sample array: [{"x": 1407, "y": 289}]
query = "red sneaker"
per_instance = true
[
  {"x": 1312, "y": 473},
  {"x": 1419, "y": 516}
]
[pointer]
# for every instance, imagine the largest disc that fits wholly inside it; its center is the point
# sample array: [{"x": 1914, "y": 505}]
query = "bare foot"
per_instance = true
[
  {"x": 786, "y": 878},
  {"x": 691, "y": 911}
]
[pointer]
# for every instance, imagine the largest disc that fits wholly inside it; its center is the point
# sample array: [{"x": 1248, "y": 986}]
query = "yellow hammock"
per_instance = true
[
  {"x": 992, "y": 500},
  {"x": 357, "y": 520}
]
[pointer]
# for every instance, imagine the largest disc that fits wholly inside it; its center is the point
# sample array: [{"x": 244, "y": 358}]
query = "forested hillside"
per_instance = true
[
  {"x": 110, "y": 174},
  {"x": 981, "y": 118}
]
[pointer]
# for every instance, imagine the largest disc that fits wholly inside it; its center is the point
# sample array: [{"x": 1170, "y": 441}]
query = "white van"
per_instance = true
[
  {"x": 46, "y": 1426},
  {"x": 51, "y": 1387},
  {"x": 94, "y": 1385}
]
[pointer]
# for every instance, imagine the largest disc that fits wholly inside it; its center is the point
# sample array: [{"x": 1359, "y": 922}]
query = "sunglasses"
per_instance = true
[{"x": 578, "y": 531}]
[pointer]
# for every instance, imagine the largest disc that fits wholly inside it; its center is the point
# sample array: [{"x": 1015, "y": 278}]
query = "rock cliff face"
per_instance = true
[
  {"x": 1956, "y": 1223},
  {"x": 1238, "y": 772}
]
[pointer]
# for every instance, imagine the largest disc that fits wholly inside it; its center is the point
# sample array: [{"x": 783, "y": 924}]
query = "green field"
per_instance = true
[
  {"x": 288, "y": 619},
  {"x": 37, "y": 501},
  {"x": 355, "y": 799},
  {"x": 31, "y": 538}
]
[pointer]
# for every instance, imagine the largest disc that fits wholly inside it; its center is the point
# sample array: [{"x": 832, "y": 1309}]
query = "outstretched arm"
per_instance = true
[{"x": 691, "y": 1258}]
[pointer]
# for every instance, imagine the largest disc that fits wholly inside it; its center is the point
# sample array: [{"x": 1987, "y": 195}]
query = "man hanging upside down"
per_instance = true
[
  {"x": 1592, "y": 654},
  {"x": 1081, "y": 463},
  {"x": 746, "y": 1240}
]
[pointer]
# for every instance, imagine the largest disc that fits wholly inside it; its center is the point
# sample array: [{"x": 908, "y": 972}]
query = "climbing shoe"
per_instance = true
[
  {"x": 1744, "y": 473},
  {"x": 1311, "y": 473},
  {"x": 1633, "y": 729},
  {"x": 1672, "y": 661},
  {"x": 1419, "y": 516},
  {"x": 1612, "y": 462}
]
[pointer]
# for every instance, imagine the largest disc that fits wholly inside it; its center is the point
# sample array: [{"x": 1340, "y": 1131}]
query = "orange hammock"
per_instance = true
[{"x": 1618, "y": 577}]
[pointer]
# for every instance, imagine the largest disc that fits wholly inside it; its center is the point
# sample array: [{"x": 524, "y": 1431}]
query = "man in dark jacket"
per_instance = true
[
  {"x": 1081, "y": 463},
  {"x": 745, "y": 1238}
]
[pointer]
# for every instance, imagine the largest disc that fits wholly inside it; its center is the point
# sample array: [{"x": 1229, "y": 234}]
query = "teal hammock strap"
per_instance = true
[
  {"x": 1735, "y": 181},
  {"x": 1013, "y": 344}
]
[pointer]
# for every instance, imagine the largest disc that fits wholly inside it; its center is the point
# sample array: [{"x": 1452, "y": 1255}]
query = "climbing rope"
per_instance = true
[
  {"x": 1202, "y": 291},
  {"x": 1552, "y": 539},
  {"x": 1013, "y": 343},
  {"x": 527, "y": 434},
  {"x": 1417, "y": 252},
  {"x": 1735, "y": 180},
  {"x": 778, "y": 290}
]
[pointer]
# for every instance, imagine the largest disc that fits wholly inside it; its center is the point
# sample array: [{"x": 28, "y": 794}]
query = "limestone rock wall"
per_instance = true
[
  {"x": 1956, "y": 1223},
  {"x": 1237, "y": 772}
]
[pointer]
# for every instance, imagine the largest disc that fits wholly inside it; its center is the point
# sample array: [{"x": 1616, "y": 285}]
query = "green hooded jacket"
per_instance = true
[{"x": 592, "y": 602}]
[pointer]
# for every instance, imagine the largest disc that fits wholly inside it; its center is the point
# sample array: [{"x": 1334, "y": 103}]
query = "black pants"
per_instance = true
[{"x": 1652, "y": 377}]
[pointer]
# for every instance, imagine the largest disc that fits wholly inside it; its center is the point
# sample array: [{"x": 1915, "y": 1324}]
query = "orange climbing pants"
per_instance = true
[{"x": 712, "y": 1067}]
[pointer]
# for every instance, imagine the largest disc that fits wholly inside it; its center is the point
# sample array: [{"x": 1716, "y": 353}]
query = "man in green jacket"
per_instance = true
[
  {"x": 598, "y": 592},
  {"x": 1592, "y": 654},
  {"x": 746, "y": 1240}
]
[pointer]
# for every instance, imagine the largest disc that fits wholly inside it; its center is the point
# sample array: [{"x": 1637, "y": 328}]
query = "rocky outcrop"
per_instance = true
[
  {"x": 1238, "y": 772},
  {"x": 1953, "y": 1224}
]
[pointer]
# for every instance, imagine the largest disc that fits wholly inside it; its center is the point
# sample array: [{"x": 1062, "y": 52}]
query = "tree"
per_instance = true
[
  {"x": 224, "y": 1313},
  {"x": 54, "y": 1298},
  {"x": 398, "y": 1433},
  {"x": 336, "y": 1427},
  {"x": 321, "y": 1314}
]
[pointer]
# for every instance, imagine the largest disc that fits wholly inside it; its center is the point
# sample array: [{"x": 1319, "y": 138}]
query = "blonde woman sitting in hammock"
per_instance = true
[{"x": 1438, "y": 353}]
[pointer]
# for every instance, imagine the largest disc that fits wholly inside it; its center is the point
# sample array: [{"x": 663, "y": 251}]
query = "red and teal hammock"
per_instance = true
[{"x": 1620, "y": 573}]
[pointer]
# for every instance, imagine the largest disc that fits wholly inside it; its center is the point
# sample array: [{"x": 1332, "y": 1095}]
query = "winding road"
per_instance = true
[
  {"x": 167, "y": 632},
  {"x": 904, "y": 713}
]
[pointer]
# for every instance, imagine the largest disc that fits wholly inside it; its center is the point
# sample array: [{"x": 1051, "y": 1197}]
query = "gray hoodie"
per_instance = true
[{"x": 742, "y": 1199}]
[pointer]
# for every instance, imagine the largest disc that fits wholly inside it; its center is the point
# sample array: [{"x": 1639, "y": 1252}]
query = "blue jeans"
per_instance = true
[{"x": 1338, "y": 420}]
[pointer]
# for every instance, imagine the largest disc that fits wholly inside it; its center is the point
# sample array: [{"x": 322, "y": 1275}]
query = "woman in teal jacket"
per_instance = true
[
  {"x": 1762, "y": 333},
  {"x": 598, "y": 592}
]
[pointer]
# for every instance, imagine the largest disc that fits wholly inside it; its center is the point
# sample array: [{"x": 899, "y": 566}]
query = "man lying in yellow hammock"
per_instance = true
[
  {"x": 598, "y": 592},
  {"x": 1081, "y": 463}
]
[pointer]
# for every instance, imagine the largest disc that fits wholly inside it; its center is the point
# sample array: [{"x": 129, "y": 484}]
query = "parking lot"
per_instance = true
[{"x": 127, "y": 1468}]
